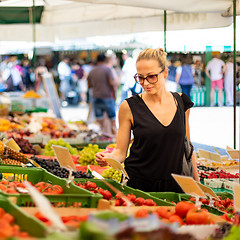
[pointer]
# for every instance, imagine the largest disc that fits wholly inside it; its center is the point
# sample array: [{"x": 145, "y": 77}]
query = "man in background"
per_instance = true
[{"x": 215, "y": 70}]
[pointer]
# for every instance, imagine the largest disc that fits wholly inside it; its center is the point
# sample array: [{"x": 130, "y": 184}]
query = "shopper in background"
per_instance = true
[
  {"x": 100, "y": 80},
  {"x": 40, "y": 70},
  {"x": 214, "y": 71},
  {"x": 64, "y": 71},
  {"x": 171, "y": 84},
  {"x": 184, "y": 75},
  {"x": 198, "y": 73},
  {"x": 26, "y": 74},
  {"x": 157, "y": 122},
  {"x": 228, "y": 82}
]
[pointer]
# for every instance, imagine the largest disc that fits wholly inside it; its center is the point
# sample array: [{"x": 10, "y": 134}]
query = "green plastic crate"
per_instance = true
[
  {"x": 167, "y": 196},
  {"x": 125, "y": 190},
  {"x": 224, "y": 195},
  {"x": 27, "y": 223},
  {"x": 213, "y": 210},
  {"x": 71, "y": 195}
]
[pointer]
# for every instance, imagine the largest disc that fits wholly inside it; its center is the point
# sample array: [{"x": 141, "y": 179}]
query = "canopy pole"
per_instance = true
[
  {"x": 165, "y": 30},
  {"x": 34, "y": 33},
  {"x": 234, "y": 74}
]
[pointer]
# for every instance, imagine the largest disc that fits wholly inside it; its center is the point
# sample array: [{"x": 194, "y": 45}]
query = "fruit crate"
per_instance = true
[
  {"x": 213, "y": 210},
  {"x": 69, "y": 198},
  {"x": 26, "y": 223},
  {"x": 102, "y": 145},
  {"x": 167, "y": 196},
  {"x": 125, "y": 190}
]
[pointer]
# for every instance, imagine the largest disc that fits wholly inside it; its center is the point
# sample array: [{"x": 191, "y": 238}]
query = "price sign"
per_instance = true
[
  {"x": 208, "y": 191},
  {"x": 63, "y": 156},
  {"x": 116, "y": 165},
  {"x": 12, "y": 144},
  {"x": 236, "y": 191},
  {"x": 189, "y": 185},
  {"x": 209, "y": 155}
]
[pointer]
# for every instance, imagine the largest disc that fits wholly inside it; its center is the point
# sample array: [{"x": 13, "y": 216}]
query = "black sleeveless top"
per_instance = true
[{"x": 157, "y": 150}]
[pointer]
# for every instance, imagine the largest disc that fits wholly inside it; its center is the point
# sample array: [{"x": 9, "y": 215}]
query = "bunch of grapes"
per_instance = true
[
  {"x": 48, "y": 151},
  {"x": 88, "y": 155},
  {"x": 111, "y": 173}
]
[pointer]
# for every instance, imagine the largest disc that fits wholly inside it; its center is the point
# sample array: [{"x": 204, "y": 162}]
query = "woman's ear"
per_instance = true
[{"x": 165, "y": 73}]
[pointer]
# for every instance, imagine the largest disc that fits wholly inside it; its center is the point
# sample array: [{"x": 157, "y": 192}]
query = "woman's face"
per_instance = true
[{"x": 150, "y": 67}]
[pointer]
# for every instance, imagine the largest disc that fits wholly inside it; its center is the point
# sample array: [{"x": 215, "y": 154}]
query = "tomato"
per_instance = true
[
  {"x": 8, "y": 218},
  {"x": 139, "y": 201},
  {"x": 204, "y": 201},
  {"x": 2, "y": 212},
  {"x": 91, "y": 185},
  {"x": 193, "y": 199},
  {"x": 5, "y": 182},
  {"x": 131, "y": 197},
  {"x": 198, "y": 216},
  {"x": 42, "y": 185},
  {"x": 41, "y": 217},
  {"x": 11, "y": 190},
  {"x": 107, "y": 195},
  {"x": 142, "y": 213},
  {"x": 183, "y": 207},
  {"x": 176, "y": 218},
  {"x": 150, "y": 202},
  {"x": 163, "y": 212},
  {"x": 3, "y": 187},
  {"x": 117, "y": 202}
]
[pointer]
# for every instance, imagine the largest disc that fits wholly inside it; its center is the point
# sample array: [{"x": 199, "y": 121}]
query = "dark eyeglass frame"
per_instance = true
[{"x": 146, "y": 78}]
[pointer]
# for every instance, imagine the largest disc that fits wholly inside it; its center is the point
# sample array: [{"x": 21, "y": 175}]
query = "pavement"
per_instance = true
[{"x": 209, "y": 126}]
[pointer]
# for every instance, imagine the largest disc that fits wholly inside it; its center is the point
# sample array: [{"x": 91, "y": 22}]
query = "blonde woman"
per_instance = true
[{"x": 157, "y": 122}]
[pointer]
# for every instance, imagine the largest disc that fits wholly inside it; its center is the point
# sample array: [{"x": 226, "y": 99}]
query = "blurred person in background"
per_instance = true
[
  {"x": 128, "y": 71},
  {"x": 65, "y": 76},
  {"x": 101, "y": 81},
  {"x": 228, "y": 82},
  {"x": 184, "y": 75},
  {"x": 26, "y": 74},
  {"x": 39, "y": 72},
  {"x": 214, "y": 71},
  {"x": 171, "y": 84}
]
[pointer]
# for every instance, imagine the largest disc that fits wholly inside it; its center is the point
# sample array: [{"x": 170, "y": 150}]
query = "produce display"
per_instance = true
[
  {"x": 111, "y": 173},
  {"x": 8, "y": 227},
  {"x": 88, "y": 155},
  {"x": 31, "y": 94},
  {"x": 53, "y": 166},
  {"x": 25, "y": 145},
  {"x": 48, "y": 151}
]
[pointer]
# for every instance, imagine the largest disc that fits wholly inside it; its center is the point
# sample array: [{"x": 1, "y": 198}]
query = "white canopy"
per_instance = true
[{"x": 62, "y": 20}]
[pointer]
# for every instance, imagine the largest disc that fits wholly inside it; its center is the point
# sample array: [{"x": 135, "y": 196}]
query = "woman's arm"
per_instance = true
[
  {"x": 195, "y": 172},
  {"x": 123, "y": 137}
]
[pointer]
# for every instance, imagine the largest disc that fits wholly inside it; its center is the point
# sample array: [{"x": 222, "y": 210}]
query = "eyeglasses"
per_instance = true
[{"x": 153, "y": 78}]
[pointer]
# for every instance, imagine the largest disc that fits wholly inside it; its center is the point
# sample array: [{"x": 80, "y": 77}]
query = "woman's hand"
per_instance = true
[{"x": 100, "y": 159}]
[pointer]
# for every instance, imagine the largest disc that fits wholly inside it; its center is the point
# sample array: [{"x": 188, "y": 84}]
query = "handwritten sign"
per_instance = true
[
  {"x": 188, "y": 185},
  {"x": 63, "y": 156},
  {"x": 116, "y": 165},
  {"x": 209, "y": 155},
  {"x": 51, "y": 90},
  {"x": 12, "y": 144},
  {"x": 236, "y": 197},
  {"x": 234, "y": 154},
  {"x": 207, "y": 190}
]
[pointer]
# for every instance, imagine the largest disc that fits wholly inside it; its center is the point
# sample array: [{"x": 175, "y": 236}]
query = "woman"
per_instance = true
[
  {"x": 184, "y": 75},
  {"x": 158, "y": 128},
  {"x": 228, "y": 81}
]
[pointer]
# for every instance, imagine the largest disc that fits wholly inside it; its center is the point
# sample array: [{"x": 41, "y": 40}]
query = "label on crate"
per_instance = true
[
  {"x": 45, "y": 207},
  {"x": 189, "y": 185},
  {"x": 63, "y": 156},
  {"x": 236, "y": 196},
  {"x": 207, "y": 190},
  {"x": 12, "y": 144}
]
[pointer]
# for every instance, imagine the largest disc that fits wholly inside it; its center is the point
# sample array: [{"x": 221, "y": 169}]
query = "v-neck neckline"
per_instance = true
[{"x": 166, "y": 126}]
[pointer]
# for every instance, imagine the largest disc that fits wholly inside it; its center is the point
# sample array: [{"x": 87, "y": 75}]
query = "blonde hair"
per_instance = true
[{"x": 157, "y": 54}]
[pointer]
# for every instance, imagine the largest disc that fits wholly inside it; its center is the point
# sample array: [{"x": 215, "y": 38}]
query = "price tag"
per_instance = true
[
  {"x": 234, "y": 154},
  {"x": 45, "y": 207},
  {"x": 236, "y": 197},
  {"x": 116, "y": 165},
  {"x": 207, "y": 190},
  {"x": 12, "y": 144},
  {"x": 209, "y": 155},
  {"x": 188, "y": 185},
  {"x": 63, "y": 156}
]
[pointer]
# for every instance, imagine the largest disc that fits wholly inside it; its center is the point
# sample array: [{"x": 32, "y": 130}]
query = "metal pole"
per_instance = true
[
  {"x": 34, "y": 33},
  {"x": 165, "y": 29},
  {"x": 234, "y": 74}
]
